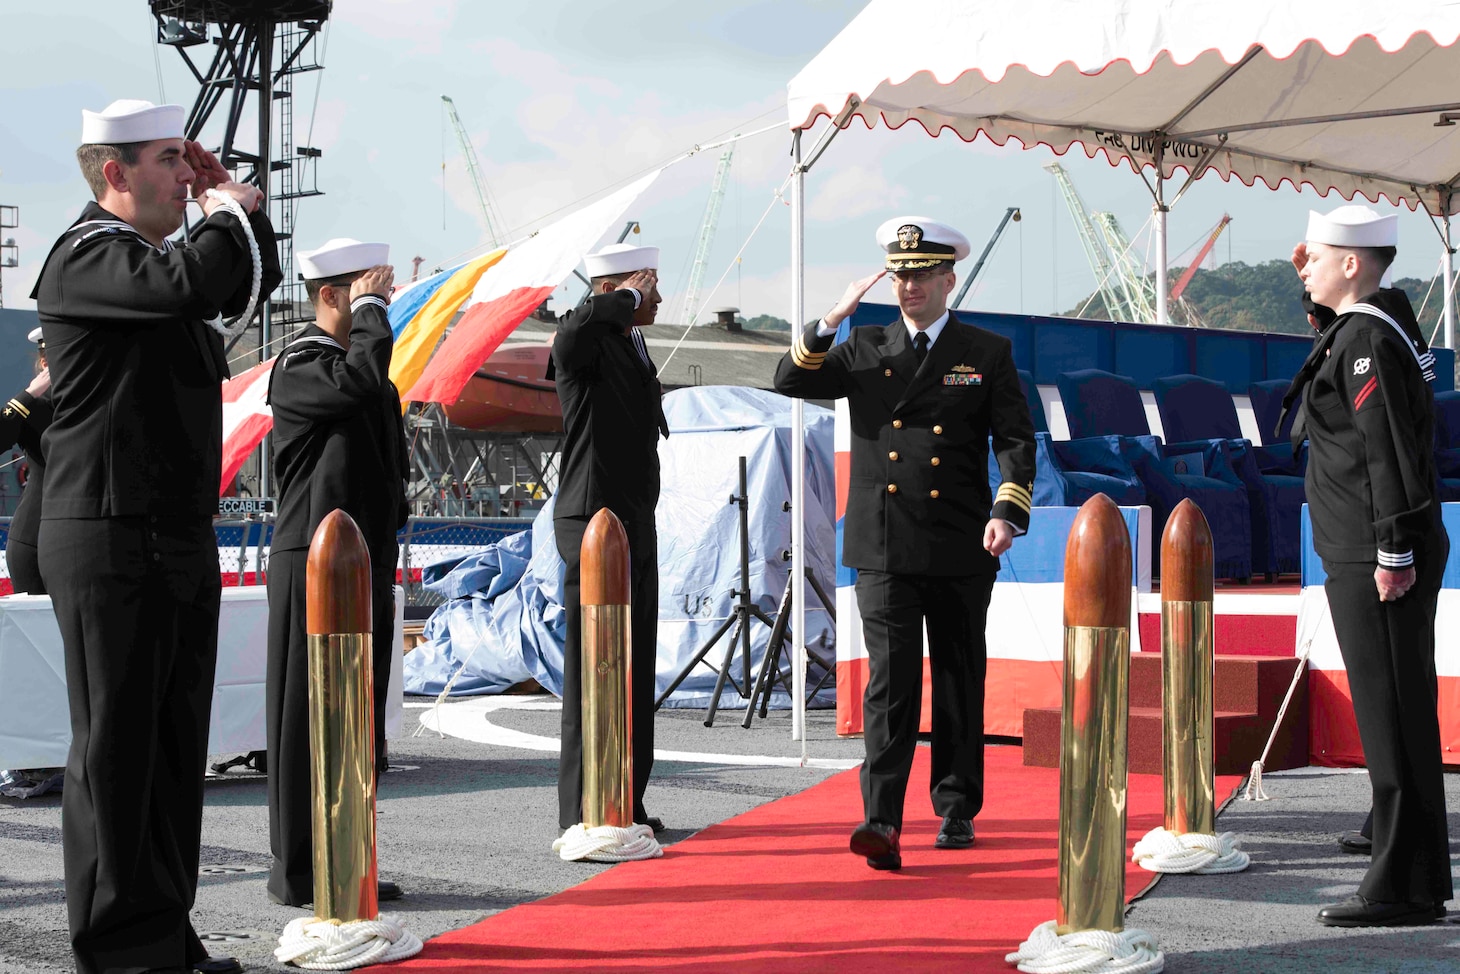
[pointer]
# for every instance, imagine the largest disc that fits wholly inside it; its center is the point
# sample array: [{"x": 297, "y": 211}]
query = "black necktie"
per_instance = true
[{"x": 920, "y": 347}]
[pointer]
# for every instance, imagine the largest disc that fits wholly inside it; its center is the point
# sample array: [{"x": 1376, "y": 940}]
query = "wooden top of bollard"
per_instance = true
[
  {"x": 1187, "y": 556},
  {"x": 337, "y": 578},
  {"x": 604, "y": 573},
  {"x": 1098, "y": 567}
]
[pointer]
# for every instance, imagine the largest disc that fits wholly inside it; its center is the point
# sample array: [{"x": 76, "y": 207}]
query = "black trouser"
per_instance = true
[
  {"x": 291, "y": 821},
  {"x": 893, "y": 610},
  {"x": 1389, "y": 652},
  {"x": 644, "y": 634},
  {"x": 24, "y": 564},
  {"x": 136, "y": 600}
]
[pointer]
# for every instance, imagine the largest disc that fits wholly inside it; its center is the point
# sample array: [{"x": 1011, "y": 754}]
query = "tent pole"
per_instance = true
[
  {"x": 1449, "y": 284},
  {"x": 798, "y": 458},
  {"x": 1159, "y": 213}
]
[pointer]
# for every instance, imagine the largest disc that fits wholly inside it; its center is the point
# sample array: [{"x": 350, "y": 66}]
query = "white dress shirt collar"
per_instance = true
[{"x": 932, "y": 331}]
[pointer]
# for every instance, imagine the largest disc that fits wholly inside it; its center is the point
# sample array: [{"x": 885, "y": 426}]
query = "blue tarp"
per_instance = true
[{"x": 505, "y": 619}]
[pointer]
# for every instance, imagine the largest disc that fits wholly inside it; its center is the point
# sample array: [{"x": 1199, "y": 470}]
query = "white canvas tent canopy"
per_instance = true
[{"x": 1354, "y": 96}]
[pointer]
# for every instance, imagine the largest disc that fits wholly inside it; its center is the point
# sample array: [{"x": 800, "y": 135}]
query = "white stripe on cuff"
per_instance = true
[
  {"x": 1401, "y": 559},
  {"x": 365, "y": 299}
]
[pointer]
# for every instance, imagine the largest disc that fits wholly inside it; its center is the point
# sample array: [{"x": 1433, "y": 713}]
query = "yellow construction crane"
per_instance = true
[{"x": 495, "y": 226}]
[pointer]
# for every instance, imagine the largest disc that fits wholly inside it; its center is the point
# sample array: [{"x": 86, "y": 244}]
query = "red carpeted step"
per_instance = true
[
  {"x": 775, "y": 890},
  {"x": 1249, "y": 691}
]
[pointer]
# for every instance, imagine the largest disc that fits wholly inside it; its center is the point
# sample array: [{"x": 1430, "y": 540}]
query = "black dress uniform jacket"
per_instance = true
[
  {"x": 920, "y": 442},
  {"x": 22, "y": 422},
  {"x": 135, "y": 372},
  {"x": 339, "y": 442},
  {"x": 613, "y": 419},
  {"x": 128, "y": 555},
  {"x": 1368, "y": 413}
]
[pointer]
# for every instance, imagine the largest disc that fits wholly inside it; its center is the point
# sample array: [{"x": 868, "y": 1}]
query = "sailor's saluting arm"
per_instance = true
[{"x": 813, "y": 368}]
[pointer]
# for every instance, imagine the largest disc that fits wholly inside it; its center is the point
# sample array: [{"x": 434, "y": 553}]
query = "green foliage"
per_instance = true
[
  {"x": 1263, "y": 297},
  {"x": 767, "y": 323}
]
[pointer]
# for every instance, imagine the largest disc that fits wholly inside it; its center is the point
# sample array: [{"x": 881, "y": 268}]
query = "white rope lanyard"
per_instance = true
[
  {"x": 607, "y": 843},
  {"x": 1087, "y": 952},
  {"x": 329, "y": 945},
  {"x": 236, "y": 327},
  {"x": 1160, "y": 851}
]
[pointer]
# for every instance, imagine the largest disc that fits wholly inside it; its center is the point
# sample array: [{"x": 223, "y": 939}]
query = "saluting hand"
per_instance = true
[
  {"x": 850, "y": 299},
  {"x": 642, "y": 281},
  {"x": 377, "y": 281},
  {"x": 1392, "y": 585},
  {"x": 41, "y": 384},
  {"x": 208, "y": 172}
]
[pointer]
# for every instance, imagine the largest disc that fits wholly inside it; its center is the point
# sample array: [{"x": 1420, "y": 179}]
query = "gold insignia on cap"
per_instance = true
[{"x": 909, "y": 236}]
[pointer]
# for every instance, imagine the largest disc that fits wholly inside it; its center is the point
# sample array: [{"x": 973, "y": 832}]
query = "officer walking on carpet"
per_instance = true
[
  {"x": 339, "y": 442},
  {"x": 612, "y": 420},
  {"x": 922, "y": 527},
  {"x": 1368, "y": 414},
  {"x": 126, "y": 545}
]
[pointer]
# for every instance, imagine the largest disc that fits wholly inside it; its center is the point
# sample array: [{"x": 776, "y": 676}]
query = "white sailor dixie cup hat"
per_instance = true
[
  {"x": 341, "y": 256},
  {"x": 1353, "y": 226},
  {"x": 621, "y": 258},
  {"x": 915, "y": 242},
  {"x": 131, "y": 120}
]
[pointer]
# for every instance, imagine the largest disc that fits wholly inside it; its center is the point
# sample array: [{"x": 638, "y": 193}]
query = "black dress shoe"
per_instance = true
[
  {"x": 956, "y": 833},
  {"x": 878, "y": 843},
  {"x": 654, "y": 822},
  {"x": 385, "y": 891},
  {"x": 1359, "y": 912},
  {"x": 218, "y": 965},
  {"x": 1357, "y": 843}
]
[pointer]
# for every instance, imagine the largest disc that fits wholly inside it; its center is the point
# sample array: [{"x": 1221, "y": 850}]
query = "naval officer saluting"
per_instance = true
[
  {"x": 922, "y": 529},
  {"x": 612, "y": 418},
  {"x": 126, "y": 545},
  {"x": 338, "y": 443}
]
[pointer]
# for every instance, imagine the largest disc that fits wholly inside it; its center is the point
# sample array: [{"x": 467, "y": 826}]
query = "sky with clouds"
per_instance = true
[{"x": 564, "y": 99}]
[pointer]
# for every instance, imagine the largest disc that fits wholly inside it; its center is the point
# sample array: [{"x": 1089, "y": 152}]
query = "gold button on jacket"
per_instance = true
[
  {"x": 892, "y": 455},
  {"x": 935, "y": 461},
  {"x": 892, "y": 488},
  {"x": 933, "y": 494},
  {"x": 897, "y": 424}
]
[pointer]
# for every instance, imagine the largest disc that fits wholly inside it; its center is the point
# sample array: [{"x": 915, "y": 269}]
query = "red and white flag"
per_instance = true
[
  {"x": 510, "y": 289},
  {"x": 246, "y": 419}
]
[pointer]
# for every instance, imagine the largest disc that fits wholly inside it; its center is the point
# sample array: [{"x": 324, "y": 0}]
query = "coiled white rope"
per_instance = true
[
  {"x": 607, "y": 843},
  {"x": 241, "y": 322},
  {"x": 329, "y": 945},
  {"x": 1161, "y": 851},
  {"x": 1088, "y": 952}
]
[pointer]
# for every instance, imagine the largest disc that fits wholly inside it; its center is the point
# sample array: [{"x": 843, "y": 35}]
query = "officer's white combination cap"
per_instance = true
[
  {"x": 913, "y": 242},
  {"x": 341, "y": 256},
  {"x": 1353, "y": 226},
  {"x": 621, "y": 258},
  {"x": 35, "y": 335},
  {"x": 131, "y": 120}
]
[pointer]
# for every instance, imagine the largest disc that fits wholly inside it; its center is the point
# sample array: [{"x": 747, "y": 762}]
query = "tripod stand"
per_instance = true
[
  {"x": 770, "y": 666},
  {"x": 740, "y": 617}
]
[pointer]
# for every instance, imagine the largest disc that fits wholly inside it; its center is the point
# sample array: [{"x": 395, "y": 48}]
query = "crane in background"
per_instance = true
[
  {"x": 1201, "y": 255},
  {"x": 1012, "y": 213},
  {"x": 1094, "y": 250},
  {"x": 495, "y": 226},
  {"x": 707, "y": 234},
  {"x": 1135, "y": 287}
]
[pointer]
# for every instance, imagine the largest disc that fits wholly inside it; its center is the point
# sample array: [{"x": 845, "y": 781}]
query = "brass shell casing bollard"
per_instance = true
[
  {"x": 341, "y": 721},
  {"x": 608, "y": 753},
  {"x": 1188, "y": 672},
  {"x": 1092, "y": 849}
]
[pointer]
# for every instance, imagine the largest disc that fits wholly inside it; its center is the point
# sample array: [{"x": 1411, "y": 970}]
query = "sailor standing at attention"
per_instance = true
[
  {"x": 126, "y": 544},
  {"x": 612, "y": 418},
  {"x": 1368, "y": 414},
  {"x": 339, "y": 442},
  {"x": 922, "y": 527}
]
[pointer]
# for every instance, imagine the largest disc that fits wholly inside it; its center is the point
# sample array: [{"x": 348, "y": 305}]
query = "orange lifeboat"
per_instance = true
[{"x": 508, "y": 394}]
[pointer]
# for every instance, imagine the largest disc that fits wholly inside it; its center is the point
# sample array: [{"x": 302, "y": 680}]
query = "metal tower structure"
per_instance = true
[
  {"x": 1136, "y": 288},
  {"x": 495, "y": 226},
  {"x": 258, "y": 47},
  {"x": 707, "y": 234},
  {"x": 1094, "y": 248}
]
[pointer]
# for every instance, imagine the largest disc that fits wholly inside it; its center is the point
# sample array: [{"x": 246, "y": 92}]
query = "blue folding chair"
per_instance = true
[
  {"x": 1099, "y": 403},
  {"x": 1276, "y": 454},
  {"x": 1195, "y": 408}
]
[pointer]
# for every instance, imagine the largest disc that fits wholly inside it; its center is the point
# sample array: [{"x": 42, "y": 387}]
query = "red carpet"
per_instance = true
[{"x": 776, "y": 890}]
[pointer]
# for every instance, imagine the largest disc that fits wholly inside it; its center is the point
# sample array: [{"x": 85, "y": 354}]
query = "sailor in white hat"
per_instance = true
[
  {"x": 1368, "y": 414},
  {"x": 339, "y": 442},
  {"x": 126, "y": 546},
  {"x": 609, "y": 390},
  {"x": 926, "y": 392}
]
